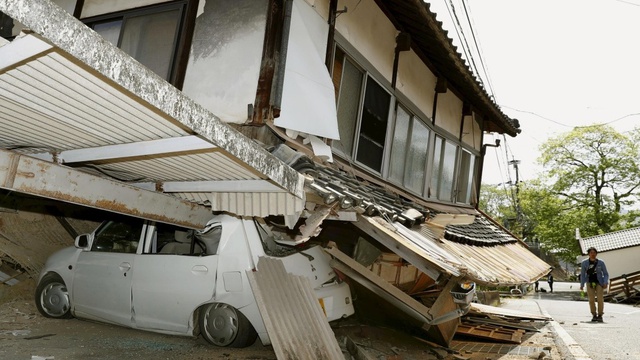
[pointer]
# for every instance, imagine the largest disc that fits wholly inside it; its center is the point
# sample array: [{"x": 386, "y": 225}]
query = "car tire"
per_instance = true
[
  {"x": 223, "y": 325},
  {"x": 52, "y": 297}
]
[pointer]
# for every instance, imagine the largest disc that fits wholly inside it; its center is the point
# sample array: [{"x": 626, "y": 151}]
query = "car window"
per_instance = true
[
  {"x": 175, "y": 240},
  {"x": 120, "y": 236}
]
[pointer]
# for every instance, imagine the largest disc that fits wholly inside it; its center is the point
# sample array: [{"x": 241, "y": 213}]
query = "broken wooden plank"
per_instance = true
[
  {"x": 491, "y": 332},
  {"x": 482, "y": 309},
  {"x": 503, "y": 323},
  {"x": 441, "y": 333}
]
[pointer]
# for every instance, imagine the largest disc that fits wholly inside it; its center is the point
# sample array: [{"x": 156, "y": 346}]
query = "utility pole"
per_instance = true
[{"x": 518, "y": 209}]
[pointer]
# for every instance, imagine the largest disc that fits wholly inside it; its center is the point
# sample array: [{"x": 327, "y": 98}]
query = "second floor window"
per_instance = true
[
  {"x": 397, "y": 145},
  {"x": 362, "y": 119},
  {"x": 443, "y": 170},
  {"x": 149, "y": 35},
  {"x": 465, "y": 184},
  {"x": 408, "y": 160}
]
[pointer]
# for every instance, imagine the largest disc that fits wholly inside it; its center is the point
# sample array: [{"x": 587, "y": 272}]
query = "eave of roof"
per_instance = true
[
  {"x": 621, "y": 239},
  {"x": 431, "y": 42}
]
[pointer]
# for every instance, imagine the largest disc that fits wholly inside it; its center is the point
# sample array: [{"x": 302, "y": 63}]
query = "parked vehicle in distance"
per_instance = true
[{"x": 162, "y": 278}]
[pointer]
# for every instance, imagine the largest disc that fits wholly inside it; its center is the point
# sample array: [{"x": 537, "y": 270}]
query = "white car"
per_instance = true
[{"x": 161, "y": 278}]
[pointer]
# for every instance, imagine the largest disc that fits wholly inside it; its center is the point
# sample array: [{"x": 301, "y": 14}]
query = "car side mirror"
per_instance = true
[{"x": 82, "y": 242}]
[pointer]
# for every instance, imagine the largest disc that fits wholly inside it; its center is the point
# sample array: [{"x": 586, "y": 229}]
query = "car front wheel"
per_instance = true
[
  {"x": 52, "y": 297},
  {"x": 224, "y": 325}
]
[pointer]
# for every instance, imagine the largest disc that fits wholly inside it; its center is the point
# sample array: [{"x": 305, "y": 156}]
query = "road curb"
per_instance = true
[{"x": 567, "y": 341}]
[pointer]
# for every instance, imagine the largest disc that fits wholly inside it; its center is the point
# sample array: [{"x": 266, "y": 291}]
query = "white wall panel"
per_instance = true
[
  {"x": 308, "y": 98},
  {"x": 224, "y": 64}
]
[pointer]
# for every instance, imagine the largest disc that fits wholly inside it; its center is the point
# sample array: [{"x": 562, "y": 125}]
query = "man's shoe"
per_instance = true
[
  {"x": 599, "y": 319},
  {"x": 594, "y": 318}
]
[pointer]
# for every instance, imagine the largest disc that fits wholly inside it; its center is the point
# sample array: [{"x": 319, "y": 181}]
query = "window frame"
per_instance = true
[
  {"x": 398, "y": 99},
  {"x": 413, "y": 118},
  {"x": 357, "y": 133},
  {"x": 471, "y": 172},
  {"x": 183, "y": 36}
]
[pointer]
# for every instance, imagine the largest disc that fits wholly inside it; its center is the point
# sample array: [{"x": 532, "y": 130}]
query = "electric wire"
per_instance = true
[
  {"x": 464, "y": 43},
  {"x": 463, "y": 40},
  {"x": 479, "y": 51},
  {"x": 566, "y": 125},
  {"x": 627, "y": 2}
]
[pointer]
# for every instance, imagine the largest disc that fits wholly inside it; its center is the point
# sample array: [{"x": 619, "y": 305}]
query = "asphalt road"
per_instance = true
[{"x": 618, "y": 338}]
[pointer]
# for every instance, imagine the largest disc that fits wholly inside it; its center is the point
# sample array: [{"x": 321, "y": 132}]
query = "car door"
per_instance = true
[
  {"x": 168, "y": 287},
  {"x": 103, "y": 275}
]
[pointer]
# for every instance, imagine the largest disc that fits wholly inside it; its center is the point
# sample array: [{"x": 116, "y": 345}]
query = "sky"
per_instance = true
[{"x": 551, "y": 64}]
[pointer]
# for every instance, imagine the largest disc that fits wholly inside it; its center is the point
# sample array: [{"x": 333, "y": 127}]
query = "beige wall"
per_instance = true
[
  {"x": 367, "y": 29},
  {"x": 416, "y": 82},
  {"x": 621, "y": 261},
  {"x": 471, "y": 133},
  {"x": 449, "y": 113}
]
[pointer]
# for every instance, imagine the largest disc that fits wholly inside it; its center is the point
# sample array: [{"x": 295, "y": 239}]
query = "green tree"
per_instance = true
[
  {"x": 497, "y": 201},
  {"x": 501, "y": 203},
  {"x": 594, "y": 170},
  {"x": 551, "y": 220}
]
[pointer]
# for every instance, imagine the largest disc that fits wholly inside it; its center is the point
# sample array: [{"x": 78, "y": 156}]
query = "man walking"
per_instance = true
[
  {"x": 550, "y": 281},
  {"x": 593, "y": 272}
]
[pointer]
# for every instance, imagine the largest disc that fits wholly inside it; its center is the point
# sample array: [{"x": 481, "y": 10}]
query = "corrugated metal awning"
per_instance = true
[
  {"x": 68, "y": 96},
  {"x": 495, "y": 265},
  {"x": 297, "y": 326}
]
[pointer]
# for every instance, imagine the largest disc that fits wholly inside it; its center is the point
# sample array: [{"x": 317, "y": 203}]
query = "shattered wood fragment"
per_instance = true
[{"x": 491, "y": 332}]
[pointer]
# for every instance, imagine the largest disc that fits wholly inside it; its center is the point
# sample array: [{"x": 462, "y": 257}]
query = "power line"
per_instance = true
[
  {"x": 565, "y": 125},
  {"x": 627, "y": 2},
  {"x": 457, "y": 26},
  {"x": 538, "y": 115},
  {"x": 478, "y": 49},
  {"x": 463, "y": 40}
]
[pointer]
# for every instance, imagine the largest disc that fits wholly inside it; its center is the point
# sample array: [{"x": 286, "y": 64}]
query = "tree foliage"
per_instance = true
[
  {"x": 594, "y": 168},
  {"x": 551, "y": 221},
  {"x": 591, "y": 182},
  {"x": 497, "y": 201}
]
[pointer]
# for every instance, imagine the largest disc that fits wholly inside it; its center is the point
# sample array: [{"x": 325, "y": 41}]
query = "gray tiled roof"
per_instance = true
[
  {"x": 481, "y": 232},
  {"x": 375, "y": 200},
  {"x": 611, "y": 241}
]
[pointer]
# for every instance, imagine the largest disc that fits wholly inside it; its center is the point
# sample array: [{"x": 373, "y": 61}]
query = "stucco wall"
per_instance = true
[
  {"x": 622, "y": 261},
  {"x": 367, "y": 29},
  {"x": 471, "y": 133},
  {"x": 416, "y": 82},
  {"x": 224, "y": 63},
  {"x": 449, "y": 113}
]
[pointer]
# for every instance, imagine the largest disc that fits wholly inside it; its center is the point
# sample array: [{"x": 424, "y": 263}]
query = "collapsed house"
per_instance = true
[{"x": 354, "y": 123}]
